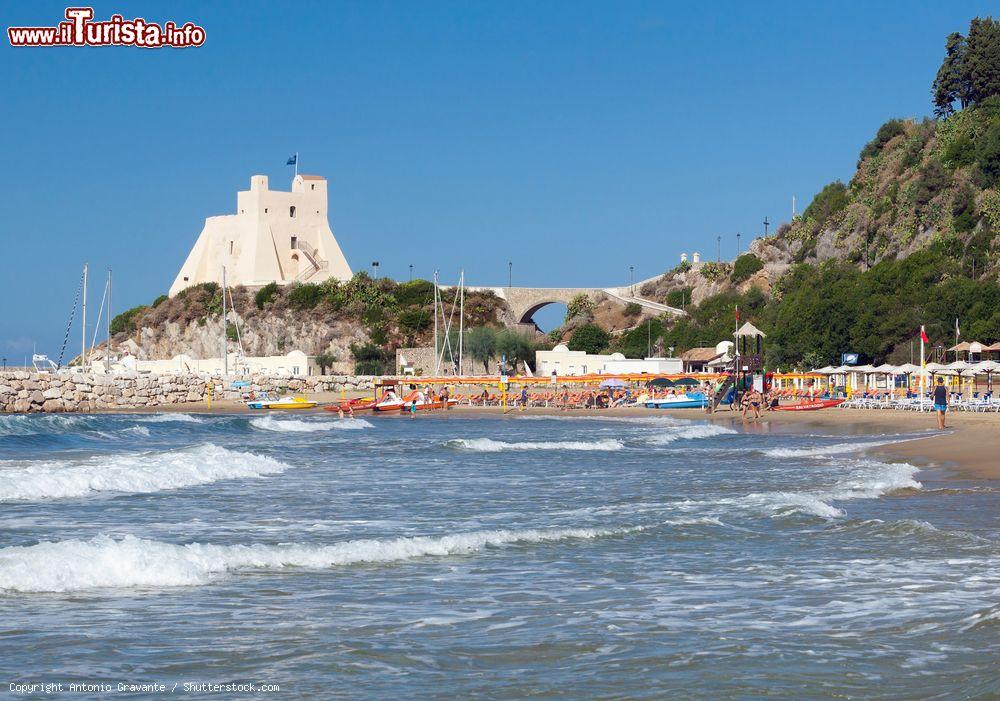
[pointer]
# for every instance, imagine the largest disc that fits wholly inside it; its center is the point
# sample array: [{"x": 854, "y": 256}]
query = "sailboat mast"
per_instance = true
[
  {"x": 461, "y": 322},
  {"x": 225, "y": 353},
  {"x": 83, "y": 324},
  {"x": 108, "y": 349},
  {"x": 435, "y": 323}
]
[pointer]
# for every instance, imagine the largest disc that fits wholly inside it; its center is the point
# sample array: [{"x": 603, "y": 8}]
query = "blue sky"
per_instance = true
[{"x": 572, "y": 138}]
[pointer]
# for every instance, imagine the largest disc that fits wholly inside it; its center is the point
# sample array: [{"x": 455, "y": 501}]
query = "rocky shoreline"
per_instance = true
[{"x": 22, "y": 391}]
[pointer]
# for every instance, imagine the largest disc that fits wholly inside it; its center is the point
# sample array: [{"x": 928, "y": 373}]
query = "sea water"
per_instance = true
[{"x": 456, "y": 557}]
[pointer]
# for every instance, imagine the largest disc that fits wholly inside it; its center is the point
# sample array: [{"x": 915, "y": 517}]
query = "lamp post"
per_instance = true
[
  {"x": 510, "y": 273},
  {"x": 411, "y": 272},
  {"x": 718, "y": 249},
  {"x": 737, "y": 245},
  {"x": 631, "y": 280},
  {"x": 375, "y": 269}
]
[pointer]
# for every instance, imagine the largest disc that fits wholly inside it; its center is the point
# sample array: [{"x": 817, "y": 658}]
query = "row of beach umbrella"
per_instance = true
[{"x": 959, "y": 367}]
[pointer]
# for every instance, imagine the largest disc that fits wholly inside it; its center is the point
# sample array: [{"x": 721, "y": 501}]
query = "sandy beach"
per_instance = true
[{"x": 968, "y": 448}]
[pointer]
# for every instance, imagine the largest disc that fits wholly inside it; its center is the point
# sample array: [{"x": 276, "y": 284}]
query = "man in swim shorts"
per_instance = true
[{"x": 940, "y": 402}]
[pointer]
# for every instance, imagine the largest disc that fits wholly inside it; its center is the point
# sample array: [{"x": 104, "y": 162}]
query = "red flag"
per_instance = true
[
  {"x": 923, "y": 335},
  {"x": 737, "y": 314}
]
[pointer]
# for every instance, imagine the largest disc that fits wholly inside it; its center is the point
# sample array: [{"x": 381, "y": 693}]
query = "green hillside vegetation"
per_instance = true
[{"x": 912, "y": 239}]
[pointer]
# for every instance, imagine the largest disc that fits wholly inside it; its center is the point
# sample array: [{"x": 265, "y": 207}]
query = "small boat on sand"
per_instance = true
[
  {"x": 265, "y": 402},
  {"x": 814, "y": 405},
  {"x": 688, "y": 400}
]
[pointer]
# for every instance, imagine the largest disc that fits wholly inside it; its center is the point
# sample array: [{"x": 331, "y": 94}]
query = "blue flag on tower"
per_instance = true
[{"x": 293, "y": 160}]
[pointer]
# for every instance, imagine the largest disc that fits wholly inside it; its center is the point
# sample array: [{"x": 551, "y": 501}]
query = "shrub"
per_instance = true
[
  {"x": 713, "y": 271},
  {"x": 963, "y": 210},
  {"x": 125, "y": 322},
  {"x": 515, "y": 347},
  {"x": 829, "y": 201},
  {"x": 305, "y": 296},
  {"x": 988, "y": 156},
  {"x": 581, "y": 305},
  {"x": 415, "y": 292},
  {"x": 679, "y": 297},
  {"x": 886, "y": 132},
  {"x": 745, "y": 267},
  {"x": 231, "y": 332},
  {"x": 369, "y": 359},
  {"x": 159, "y": 300},
  {"x": 325, "y": 360},
  {"x": 933, "y": 179},
  {"x": 265, "y": 294},
  {"x": 413, "y": 321},
  {"x": 590, "y": 338},
  {"x": 632, "y": 309}
]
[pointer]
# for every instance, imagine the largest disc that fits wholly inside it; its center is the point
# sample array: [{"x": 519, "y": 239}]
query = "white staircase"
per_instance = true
[{"x": 317, "y": 264}]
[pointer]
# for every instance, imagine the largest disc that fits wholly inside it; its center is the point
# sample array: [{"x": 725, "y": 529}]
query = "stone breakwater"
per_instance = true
[{"x": 22, "y": 391}]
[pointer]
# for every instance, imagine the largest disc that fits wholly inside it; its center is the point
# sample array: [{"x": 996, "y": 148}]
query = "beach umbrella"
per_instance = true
[
  {"x": 828, "y": 370},
  {"x": 660, "y": 382},
  {"x": 958, "y": 366},
  {"x": 613, "y": 383},
  {"x": 907, "y": 369},
  {"x": 686, "y": 382}
]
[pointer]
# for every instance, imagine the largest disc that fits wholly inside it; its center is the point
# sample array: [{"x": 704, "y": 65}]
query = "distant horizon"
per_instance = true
[{"x": 573, "y": 140}]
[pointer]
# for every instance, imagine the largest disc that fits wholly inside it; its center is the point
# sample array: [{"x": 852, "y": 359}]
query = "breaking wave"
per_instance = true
[
  {"x": 271, "y": 423},
  {"x": 488, "y": 445},
  {"x": 42, "y": 424},
  {"x": 822, "y": 451},
  {"x": 73, "y": 565},
  {"x": 130, "y": 473},
  {"x": 170, "y": 418},
  {"x": 688, "y": 432},
  {"x": 870, "y": 480}
]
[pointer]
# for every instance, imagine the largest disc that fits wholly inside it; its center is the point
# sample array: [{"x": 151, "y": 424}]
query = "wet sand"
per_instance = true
[{"x": 969, "y": 448}]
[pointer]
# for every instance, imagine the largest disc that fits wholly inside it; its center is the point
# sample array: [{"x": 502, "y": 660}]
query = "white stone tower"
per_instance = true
[{"x": 274, "y": 236}]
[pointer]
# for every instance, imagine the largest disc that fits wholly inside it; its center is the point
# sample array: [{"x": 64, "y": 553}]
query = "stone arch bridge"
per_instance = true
[{"x": 523, "y": 302}]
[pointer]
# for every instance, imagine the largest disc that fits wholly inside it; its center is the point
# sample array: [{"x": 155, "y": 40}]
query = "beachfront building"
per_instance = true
[
  {"x": 293, "y": 364},
  {"x": 708, "y": 359},
  {"x": 643, "y": 366},
  {"x": 565, "y": 362},
  {"x": 274, "y": 236}
]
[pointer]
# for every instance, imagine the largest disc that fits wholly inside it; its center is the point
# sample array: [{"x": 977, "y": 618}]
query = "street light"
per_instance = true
[
  {"x": 411, "y": 272},
  {"x": 375, "y": 269},
  {"x": 737, "y": 245},
  {"x": 718, "y": 249},
  {"x": 631, "y": 280},
  {"x": 510, "y": 273}
]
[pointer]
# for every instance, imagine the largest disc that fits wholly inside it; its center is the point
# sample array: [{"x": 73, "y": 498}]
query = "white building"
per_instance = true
[
  {"x": 274, "y": 236},
  {"x": 647, "y": 366},
  {"x": 564, "y": 362},
  {"x": 294, "y": 364}
]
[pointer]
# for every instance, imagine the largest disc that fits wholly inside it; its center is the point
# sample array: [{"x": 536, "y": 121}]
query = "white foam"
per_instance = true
[
  {"x": 870, "y": 479},
  {"x": 271, "y": 423},
  {"x": 488, "y": 445},
  {"x": 73, "y": 565},
  {"x": 133, "y": 472},
  {"x": 170, "y": 418},
  {"x": 821, "y": 451},
  {"x": 352, "y": 424},
  {"x": 688, "y": 432},
  {"x": 137, "y": 431}
]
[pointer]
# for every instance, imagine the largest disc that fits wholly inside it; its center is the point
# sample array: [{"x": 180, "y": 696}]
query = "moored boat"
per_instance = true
[
  {"x": 688, "y": 400},
  {"x": 283, "y": 403},
  {"x": 813, "y": 405}
]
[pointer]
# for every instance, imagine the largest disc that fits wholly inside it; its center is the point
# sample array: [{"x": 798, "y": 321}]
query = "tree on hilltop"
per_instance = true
[{"x": 970, "y": 72}]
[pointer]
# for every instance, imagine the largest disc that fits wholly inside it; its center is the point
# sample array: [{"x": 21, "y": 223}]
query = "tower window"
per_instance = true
[
  {"x": 291, "y": 212},
  {"x": 230, "y": 248},
  {"x": 312, "y": 187},
  {"x": 295, "y": 240},
  {"x": 265, "y": 210}
]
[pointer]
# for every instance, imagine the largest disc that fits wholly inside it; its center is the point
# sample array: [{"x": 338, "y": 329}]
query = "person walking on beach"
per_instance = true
[{"x": 940, "y": 402}]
